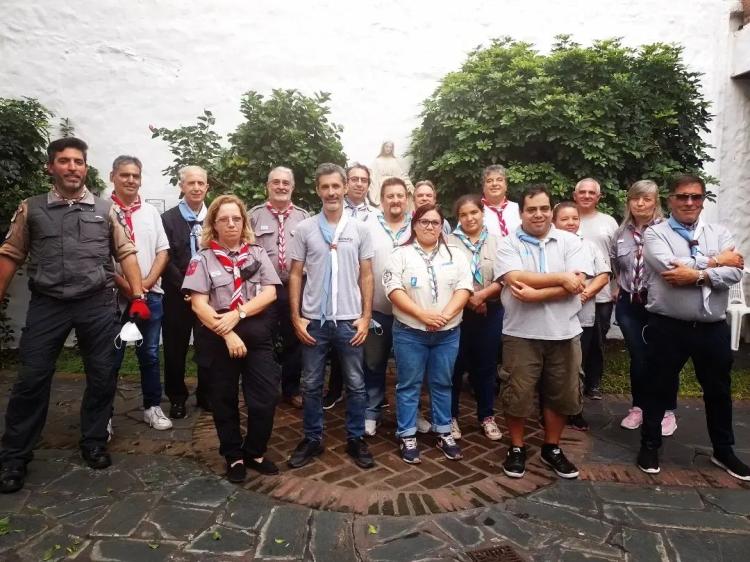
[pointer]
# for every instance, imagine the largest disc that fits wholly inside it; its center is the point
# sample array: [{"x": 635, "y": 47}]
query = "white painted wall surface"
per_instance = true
[{"x": 114, "y": 67}]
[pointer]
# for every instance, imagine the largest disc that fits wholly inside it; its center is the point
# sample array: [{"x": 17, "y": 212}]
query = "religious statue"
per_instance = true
[{"x": 386, "y": 165}]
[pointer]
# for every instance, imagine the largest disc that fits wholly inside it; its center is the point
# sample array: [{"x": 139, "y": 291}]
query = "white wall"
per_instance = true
[{"x": 114, "y": 67}]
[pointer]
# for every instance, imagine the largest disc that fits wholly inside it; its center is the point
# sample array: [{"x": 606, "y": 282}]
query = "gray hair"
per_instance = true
[
  {"x": 281, "y": 169},
  {"x": 494, "y": 169},
  {"x": 187, "y": 169},
  {"x": 584, "y": 181},
  {"x": 639, "y": 189},
  {"x": 329, "y": 168},
  {"x": 125, "y": 159}
]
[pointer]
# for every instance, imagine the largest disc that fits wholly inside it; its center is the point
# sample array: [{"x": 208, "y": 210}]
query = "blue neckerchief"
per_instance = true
[
  {"x": 394, "y": 237},
  {"x": 196, "y": 225},
  {"x": 687, "y": 234},
  {"x": 475, "y": 251},
  {"x": 539, "y": 244}
]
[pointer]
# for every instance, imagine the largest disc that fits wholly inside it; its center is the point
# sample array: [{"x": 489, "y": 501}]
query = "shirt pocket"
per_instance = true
[
  {"x": 222, "y": 287},
  {"x": 92, "y": 228},
  {"x": 413, "y": 278}
]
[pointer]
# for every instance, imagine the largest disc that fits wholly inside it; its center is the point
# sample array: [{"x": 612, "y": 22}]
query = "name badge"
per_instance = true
[
  {"x": 215, "y": 273},
  {"x": 264, "y": 227}
]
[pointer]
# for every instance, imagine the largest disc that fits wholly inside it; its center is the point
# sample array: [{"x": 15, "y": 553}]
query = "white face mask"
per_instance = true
[{"x": 129, "y": 332}]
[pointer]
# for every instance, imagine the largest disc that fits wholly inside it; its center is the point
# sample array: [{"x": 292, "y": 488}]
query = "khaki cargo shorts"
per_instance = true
[{"x": 552, "y": 366}]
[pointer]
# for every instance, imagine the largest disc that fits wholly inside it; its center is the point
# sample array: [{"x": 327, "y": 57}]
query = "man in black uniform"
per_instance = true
[
  {"x": 70, "y": 237},
  {"x": 183, "y": 225}
]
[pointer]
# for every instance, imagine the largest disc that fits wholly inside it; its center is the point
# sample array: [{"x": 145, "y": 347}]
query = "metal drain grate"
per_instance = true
[{"x": 495, "y": 554}]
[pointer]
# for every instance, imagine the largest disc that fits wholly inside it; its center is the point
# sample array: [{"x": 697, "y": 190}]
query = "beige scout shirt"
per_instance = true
[
  {"x": 486, "y": 259},
  {"x": 16, "y": 245},
  {"x": 407, "y": 270},
  {"x": 265, "y": 226},
  {"x": 206, "y": 275}
]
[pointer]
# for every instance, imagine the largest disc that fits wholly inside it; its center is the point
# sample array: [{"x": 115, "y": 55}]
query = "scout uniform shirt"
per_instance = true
[
  {"x": 206, "y": 275},
  {"x": 69, "y": 244},
  {"x": 265, "y": 226},
  {"x": 548, "y": 320},
  {"x": 486, "y": 259},
  {"x": 384, "y": 242},
  {"x": 407, "y": 270}
]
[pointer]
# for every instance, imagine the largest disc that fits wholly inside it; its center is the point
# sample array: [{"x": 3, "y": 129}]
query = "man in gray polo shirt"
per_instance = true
[
  {"x": 694, "y": 264},
  {"x": 334, "y": 312},
  {"x": 274, "y": 223},
  {"x": 543, "y": 270},
  {"x": 599, "y": 229}
]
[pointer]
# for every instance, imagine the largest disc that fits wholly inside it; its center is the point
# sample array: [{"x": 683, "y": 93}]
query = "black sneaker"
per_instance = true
[
  {"x": 447, "y": 444},
  {"x": 594, "y": 393},
  {"x": 409, "y": 450},
  {"x": 265, "y": 466},
  {"x": 648, "y": 460},
  {"x": 12, "y": 479},
  {"x": 330, "y": 400},
  {"x": 304, "y": 452},
  {"x": 553, "y": 457},
  {"x": 578, "y": 422},
  {"x": 236, "y": 472},
  {"x": 515, "y": 462},
  {"x": 177, "y": 410},
  {"x": 734, "y": 466},
  {"x": 97, "y": 458},
  {"x": 357, "y": 449}
]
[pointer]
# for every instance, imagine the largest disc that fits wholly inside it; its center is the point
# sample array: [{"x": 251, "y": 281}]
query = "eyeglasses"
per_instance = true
[
  {"x": 426, "y": 223},
  {"x": 359, "y": 180},
  {"x": 685, "y": 197},
  {"x": 226, "y": 220}
]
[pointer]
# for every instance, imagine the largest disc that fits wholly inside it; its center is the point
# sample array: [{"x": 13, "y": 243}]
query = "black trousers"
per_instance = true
[
  {"x": 593, "y": 366},
  {"x": 260, "y": 376},
  {"x": 290, "y": 347},
  {"x": 48, "y": 323},
  {"x": 177, "y": 325},
  {"x": 670, "y": 343}
]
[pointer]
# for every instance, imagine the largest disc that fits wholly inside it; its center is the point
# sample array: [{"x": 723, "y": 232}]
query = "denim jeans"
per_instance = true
[
  {"x": 377, "y": 350},
  {"x": 417, "y": 352},
  {"x": 147, "y": 352},
  {"x": 336, "y": 337},
  {"x": 480, "y": 340}
]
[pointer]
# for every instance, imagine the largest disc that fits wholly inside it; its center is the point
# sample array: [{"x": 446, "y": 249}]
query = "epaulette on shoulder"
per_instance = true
[{"x": 260, "y": 206}]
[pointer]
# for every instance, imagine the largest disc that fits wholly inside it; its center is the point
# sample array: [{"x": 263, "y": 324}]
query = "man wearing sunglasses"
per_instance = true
[{"x": 687, "y": 306}]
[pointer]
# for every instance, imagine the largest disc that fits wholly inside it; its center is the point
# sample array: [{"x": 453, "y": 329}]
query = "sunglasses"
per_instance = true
[{"x": 685, "y": 197}]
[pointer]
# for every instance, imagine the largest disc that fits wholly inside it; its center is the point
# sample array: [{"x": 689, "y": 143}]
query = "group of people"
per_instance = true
[{"x": 271, "y": 295}]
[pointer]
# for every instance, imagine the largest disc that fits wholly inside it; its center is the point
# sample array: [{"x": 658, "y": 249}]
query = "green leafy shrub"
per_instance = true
[
  {"x": 287, "y": 129},
  {"x": 608, "y": 111}
]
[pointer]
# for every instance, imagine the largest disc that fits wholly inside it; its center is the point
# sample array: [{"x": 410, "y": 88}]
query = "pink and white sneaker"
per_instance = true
[
  {"x": 634, "y": 419},
  {"x": 668, "y": 424}
]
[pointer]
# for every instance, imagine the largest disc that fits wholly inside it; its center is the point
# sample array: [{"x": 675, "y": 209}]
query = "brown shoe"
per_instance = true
[{"x": 294, "y": 401}]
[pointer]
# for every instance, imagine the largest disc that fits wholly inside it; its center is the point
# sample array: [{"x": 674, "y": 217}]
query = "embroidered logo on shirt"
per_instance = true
[{"x": 192, "y": 266}]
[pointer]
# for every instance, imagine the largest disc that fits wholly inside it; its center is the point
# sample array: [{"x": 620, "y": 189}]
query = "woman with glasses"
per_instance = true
[
  {"x": 643, "y": 209},
  {"x": 482, "y": 323},
  {"x": 429, "y": 284},
  {"x": 232, "y": 283}
]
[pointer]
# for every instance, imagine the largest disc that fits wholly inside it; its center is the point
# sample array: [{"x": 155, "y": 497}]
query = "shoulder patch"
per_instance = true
[
  {"x": 192, "y": 266},
  {"x": 13, "y": 220}
]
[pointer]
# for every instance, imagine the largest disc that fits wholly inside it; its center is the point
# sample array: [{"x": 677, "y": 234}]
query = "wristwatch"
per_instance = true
[
  {"x": 701, "y": 278},
  {"x": 243, "y": 314}
]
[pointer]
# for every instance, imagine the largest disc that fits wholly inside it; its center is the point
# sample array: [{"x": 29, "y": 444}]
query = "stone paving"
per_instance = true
[{"x": 164, "y": 497}]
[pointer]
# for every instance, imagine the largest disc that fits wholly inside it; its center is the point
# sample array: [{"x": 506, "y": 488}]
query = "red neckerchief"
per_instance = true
[
  {"x": 128, "y": 211},
  {"x": 498, "y": 210},
  {"x": 281, "y": 216},
  {"x": 233, "y": 266}
]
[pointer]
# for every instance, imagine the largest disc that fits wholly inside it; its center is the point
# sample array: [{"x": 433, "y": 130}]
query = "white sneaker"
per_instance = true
[
  {"x": 154, "y": 417},
  {"x": 370, "y": 427},
  {"x": 110, "y": 430},
  {"x": 423, "y": 426},
  {"x": 490, "y": 429},
  {"x": 455, "y": 430}
]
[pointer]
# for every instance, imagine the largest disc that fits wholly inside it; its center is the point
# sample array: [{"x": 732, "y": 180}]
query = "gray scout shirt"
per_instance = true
[
  {"x": 309, "y": 247},
  {"x": 549, "y": 320},
  {"x": 265, "y": 226},
  {"x": 206, "y": 275},
  {"x": 622, "y": 256},
  {"x": 661, "y": 246}
]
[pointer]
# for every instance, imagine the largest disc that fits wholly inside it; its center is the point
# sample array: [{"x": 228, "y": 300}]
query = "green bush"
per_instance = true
[
  {"x": 287, "y": 129},
  {"x": 608, "y": 111}
]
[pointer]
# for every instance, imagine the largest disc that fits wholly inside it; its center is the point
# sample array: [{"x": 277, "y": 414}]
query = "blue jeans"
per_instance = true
[
  {"x": 480, "y": 340},
  {"x": 336, "y": 337},
  {"x": 377, "y": 350},
  {"x": 417, "y": 352},
  {"x": 632, "y": 319},
  {"x": 147, "y": 352}
]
